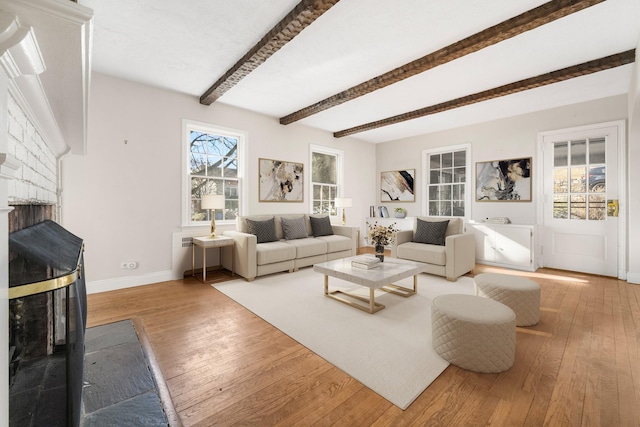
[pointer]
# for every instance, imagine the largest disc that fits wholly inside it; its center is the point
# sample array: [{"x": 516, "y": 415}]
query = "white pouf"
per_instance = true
[
  {"x": 473, "y": 333},
  {"x": 520, "y": 294}
]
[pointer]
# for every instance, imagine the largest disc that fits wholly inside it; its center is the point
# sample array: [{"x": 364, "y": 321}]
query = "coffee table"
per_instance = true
[{"x": 382, "y": 277}]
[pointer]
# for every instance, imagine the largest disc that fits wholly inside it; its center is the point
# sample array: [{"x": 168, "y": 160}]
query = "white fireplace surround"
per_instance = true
[{"x": 44, "y": 92}]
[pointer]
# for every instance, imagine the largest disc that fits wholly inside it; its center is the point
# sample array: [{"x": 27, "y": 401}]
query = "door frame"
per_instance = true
[{"x": 622, "y": 175}]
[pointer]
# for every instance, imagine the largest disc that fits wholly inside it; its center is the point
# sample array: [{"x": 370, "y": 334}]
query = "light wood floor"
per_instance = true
[{"x": 225, "y": 366}]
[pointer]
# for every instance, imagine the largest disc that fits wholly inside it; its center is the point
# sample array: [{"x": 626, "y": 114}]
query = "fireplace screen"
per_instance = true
[{"x": 47, "y": 309}]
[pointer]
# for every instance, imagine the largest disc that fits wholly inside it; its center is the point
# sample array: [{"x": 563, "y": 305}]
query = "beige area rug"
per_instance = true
[{"x": 389, "y": 351}]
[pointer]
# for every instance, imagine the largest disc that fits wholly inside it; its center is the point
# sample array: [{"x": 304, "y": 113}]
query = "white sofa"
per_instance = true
[
  {"x": 452, "y": 259},
  {"x": 254, "y": 259}
]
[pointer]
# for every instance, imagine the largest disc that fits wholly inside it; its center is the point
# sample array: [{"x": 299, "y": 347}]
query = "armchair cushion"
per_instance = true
[
  {"x": 265, "y": 231},
  {"x": 321, "y": 226},
  {"x": 294, "y": 228},
  {"x": 432, "y": 233}
]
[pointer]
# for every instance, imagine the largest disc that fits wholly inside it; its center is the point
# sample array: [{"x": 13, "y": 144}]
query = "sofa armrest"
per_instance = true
[
  {"x": 350, "y": 232},
  {"x": 461, "y": 255},
  {"x": 402, "y": 236},
  {"x": 245, "y": 256}
]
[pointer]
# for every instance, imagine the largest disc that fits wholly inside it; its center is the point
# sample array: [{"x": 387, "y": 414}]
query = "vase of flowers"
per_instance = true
[{"x": 380, "y": 236}]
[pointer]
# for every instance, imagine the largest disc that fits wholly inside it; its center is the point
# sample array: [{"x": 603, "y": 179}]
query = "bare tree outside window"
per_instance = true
[{"x": 213, "y": 164}]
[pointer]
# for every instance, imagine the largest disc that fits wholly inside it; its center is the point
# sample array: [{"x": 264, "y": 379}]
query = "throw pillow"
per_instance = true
[
  {"x": 321, "y": 226},
  {"x": 265, "y": 231},
  {"x": 294, "y": 228},
  {"x": 432, "y": 233}
]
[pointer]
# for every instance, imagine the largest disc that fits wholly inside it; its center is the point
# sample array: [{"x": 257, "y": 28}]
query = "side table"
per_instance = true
[{"x": 207, "y": 243}]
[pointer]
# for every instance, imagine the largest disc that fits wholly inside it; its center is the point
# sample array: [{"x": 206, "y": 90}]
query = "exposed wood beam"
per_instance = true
[
  {"x": 583, "y": 69},
  {"x": 290, "y": 26},
  {"x": 526, "y": 21}
]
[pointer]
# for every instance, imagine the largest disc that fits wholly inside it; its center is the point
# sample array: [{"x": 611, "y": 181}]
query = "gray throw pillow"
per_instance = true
[
  {"x": 294, "y": 228},
  {"x": 432, "y": 233},
  {"x": 321, "y": 226},
  {"x": 265, "y": 231}
]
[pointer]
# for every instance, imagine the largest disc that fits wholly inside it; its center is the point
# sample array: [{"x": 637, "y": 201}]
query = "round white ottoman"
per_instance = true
[
  {"x": 520, "y": 294},
  {"x": 473, "y": 333}
]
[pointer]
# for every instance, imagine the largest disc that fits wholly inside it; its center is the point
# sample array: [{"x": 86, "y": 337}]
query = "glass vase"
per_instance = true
[{"x": 380, "y": 252}]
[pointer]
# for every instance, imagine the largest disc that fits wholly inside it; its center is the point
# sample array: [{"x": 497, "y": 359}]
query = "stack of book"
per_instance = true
[{"x": 367, "y": 262}]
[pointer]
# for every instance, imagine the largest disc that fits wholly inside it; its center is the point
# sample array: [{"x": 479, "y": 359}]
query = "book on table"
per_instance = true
[{"x": 365, "y": 262}]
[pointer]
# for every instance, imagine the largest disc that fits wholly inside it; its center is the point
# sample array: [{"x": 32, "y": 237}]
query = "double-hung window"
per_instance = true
[
  {"x": 326, "y": 179},
  {"x": 213, "y": 159},
  {"x": 447, "y": 192}
]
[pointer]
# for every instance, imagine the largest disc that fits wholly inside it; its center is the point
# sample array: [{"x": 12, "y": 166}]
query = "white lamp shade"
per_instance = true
[
  {"x": 343, "y": 202},
  {"x": 212, "y": 201}
]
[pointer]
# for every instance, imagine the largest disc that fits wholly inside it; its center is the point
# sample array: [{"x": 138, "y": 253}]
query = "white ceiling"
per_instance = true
[{"x": 187, "y": 45}]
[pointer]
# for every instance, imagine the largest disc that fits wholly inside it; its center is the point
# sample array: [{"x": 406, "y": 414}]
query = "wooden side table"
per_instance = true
[{"x": 207, "y": 243}]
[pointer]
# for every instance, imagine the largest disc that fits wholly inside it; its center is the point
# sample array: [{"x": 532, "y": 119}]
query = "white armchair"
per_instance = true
[{"x": 451, "y": 260}]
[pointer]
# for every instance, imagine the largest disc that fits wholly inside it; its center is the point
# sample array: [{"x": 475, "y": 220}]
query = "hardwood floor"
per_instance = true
[{"x": 225, "y": 366}]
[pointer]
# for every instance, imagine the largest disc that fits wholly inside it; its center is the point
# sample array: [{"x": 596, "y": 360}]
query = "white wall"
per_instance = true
[
  {"x": 124, "y": 200},
  {"x": 516, "y": 137},
  {"x": 633, "y": 212}
]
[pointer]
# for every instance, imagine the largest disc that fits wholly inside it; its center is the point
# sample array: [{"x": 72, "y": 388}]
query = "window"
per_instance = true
[
  {"x": 579, "y": 184},
  {"x": 213, "y": 159},
  {"x": 446, "y": 183},
  {"x": 326, "y": 179}
]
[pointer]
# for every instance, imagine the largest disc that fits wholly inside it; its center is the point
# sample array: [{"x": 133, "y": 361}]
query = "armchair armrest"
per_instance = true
[
  {"x": 402, "y": 236},
  {"x": 461, "y": 255},
  {"x": 245, "y": 255}
]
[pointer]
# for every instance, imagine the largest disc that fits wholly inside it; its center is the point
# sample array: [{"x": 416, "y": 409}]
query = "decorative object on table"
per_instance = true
[
  {"x": 383, "y": 212},
  {"x": 280, "y": 181},
  {"x": 504, "y": 180},
  {"x": 397, "y": 186},
  {"x": 344, "y": 202},
  {"x": 366, "y": 262},
  {"x": 372, "y": 211},
  {"x": 212, "y": 202},
  {"x": 400, "y": 212},
  {"x": 380, "y": 236}
]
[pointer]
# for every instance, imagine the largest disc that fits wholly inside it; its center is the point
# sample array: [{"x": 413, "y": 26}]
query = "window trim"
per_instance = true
[
  {"x": 187, "y": 126},
  {"x": 467, "y": 185},
  {"x": 339, "y": 171}
]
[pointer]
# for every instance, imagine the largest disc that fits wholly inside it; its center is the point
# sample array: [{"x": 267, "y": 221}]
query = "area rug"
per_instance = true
[{"x": 390, "y": 351}]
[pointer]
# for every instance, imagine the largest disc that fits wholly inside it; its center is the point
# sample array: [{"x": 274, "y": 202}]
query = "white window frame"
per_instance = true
[
  {"x": 339, "y": 171},
  {"x": 468, "y": 180},
  {"x": 242, "y": 137}
]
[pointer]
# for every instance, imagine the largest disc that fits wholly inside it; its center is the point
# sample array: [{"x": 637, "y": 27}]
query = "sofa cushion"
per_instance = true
[
  {"x": 308, "y": 247},
  {"x": 265, "y": 231},
  {"x": 419, "y": 252},
  {"x": 271, "y": 252},
  {"x": 336, "y": 243},
  {"x": 321, "y": 226},
  {"x": 431, "y": 233},
  {"x": 294, "y": 228}
]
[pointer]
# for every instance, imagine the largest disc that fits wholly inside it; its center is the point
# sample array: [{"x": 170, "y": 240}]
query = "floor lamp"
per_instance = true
[
  {"x": 344, "y": 202},
  {"x": 213, "y": 202}
]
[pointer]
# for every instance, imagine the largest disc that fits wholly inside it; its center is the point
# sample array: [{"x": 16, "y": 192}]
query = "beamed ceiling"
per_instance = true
[{"x": 376, "y": 70}]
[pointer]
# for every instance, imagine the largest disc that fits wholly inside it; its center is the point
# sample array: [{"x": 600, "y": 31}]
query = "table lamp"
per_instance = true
[
  {"x": 344, "y": 202},
  {"x": 213, "y": 202}
]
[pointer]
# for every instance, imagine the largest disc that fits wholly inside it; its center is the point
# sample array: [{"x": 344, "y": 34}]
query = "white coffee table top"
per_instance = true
[{"x": 391, "y": 270}]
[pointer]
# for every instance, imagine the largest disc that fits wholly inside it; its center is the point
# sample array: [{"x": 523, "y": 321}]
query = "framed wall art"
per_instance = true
[
  {"x": 504, "y": 180},
  {"x": 280, "y": 181},
  {"x": 397, "y": 186}
]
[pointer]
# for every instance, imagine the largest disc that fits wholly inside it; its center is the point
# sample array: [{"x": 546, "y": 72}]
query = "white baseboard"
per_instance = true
[
  {"x": 633, "y": 278},
  {"x": 96, "y": 286}
]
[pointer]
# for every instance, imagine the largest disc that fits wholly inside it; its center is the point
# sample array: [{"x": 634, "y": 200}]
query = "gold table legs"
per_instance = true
[{"x": 370, "y": 305}]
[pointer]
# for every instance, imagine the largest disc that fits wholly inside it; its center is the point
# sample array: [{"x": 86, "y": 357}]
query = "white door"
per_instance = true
[{"x": 580, "y": 175}]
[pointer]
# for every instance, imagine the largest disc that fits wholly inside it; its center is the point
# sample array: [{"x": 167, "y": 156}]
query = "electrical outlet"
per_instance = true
[{"x": 132, "y": 265}]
